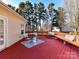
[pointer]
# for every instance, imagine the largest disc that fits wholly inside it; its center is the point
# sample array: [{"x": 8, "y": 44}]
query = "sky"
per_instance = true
[{"x": 15, "y": 3}]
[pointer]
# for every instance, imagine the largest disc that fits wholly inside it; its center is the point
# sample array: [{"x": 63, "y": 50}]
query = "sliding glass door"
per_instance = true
[{"x": 2, "y": 34}]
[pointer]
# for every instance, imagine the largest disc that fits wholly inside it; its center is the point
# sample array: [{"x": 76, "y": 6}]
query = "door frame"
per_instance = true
[{"x": 5, "y": 20}]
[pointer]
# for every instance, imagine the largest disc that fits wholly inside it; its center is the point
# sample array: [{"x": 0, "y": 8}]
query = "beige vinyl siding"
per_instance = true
[{"x": 14, "y": 25}]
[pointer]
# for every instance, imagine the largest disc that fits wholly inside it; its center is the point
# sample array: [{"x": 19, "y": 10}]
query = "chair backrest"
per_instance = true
[
  {"x": 35, "y": 33},
  {"x": 56, "y": 29},
  {"x": 26, "y": 35},
  {"x": 70, "y": 37},
  {"x": 52, "y": 33}
]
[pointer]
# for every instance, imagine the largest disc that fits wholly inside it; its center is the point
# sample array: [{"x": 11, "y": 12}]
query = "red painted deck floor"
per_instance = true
[{"x": 50, "y": 49}]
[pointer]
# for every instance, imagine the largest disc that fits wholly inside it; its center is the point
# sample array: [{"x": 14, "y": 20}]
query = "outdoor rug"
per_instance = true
[{"x": 30, "y": 43}]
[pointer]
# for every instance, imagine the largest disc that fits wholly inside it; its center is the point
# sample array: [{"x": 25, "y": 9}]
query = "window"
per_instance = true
[{"x": 22, "y": 28}]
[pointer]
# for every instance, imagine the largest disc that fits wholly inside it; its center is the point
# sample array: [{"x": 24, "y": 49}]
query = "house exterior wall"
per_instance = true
[{"x": 14, "y": 25}]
